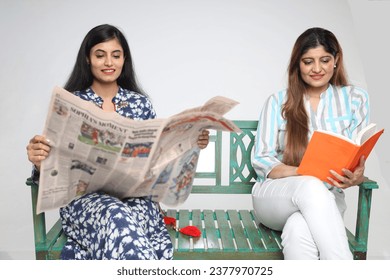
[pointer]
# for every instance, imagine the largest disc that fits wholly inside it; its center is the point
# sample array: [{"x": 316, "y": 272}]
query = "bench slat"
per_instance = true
[
  {"x": 225, "y": 231},
  {"x": 211, "y": 233},
  {"x": 238, "y": 231},
  {"x": 183, "y": 240},
  {"x": 198, "y": 242},
  {"x": 252, "y": 231}
]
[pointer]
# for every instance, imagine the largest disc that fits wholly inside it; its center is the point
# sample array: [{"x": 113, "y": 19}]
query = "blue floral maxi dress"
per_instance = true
[{"x": 99, "y": 226}]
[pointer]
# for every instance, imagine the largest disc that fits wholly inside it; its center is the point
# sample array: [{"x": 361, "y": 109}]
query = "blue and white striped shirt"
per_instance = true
[{"x": 343, "y": 110}]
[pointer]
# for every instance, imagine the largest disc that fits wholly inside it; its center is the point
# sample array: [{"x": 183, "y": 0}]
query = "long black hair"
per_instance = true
[{"x": 81, "y": 76}]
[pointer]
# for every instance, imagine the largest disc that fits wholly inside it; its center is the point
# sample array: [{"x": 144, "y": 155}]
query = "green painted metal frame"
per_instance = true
[{"x": 219, "y": 227}]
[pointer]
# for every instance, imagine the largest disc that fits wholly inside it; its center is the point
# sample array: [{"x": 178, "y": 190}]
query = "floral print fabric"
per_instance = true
[
  {"x": 100, "y": 226},
  {"x": 127, "y": 103}
]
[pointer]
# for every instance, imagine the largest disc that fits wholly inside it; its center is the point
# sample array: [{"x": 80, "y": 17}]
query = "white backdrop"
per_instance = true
[{"x": 185, "y": 52}]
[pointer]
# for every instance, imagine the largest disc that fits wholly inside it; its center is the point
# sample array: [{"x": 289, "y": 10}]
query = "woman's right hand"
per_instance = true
[{"x": 38, "y": 149}]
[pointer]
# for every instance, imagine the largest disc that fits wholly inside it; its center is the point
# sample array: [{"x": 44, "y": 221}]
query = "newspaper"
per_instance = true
[{"x": 93, "y": 150}]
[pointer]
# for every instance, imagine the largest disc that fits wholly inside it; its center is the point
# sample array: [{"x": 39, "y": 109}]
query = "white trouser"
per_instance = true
[{"x": 310, "y": 215}]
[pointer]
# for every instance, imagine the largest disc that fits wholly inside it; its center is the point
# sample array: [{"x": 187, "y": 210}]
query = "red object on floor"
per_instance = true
[
  {"x": 188, "y": 230},
  {"x": 169, "y": 221},
  {"x": 191, "y": 231}
]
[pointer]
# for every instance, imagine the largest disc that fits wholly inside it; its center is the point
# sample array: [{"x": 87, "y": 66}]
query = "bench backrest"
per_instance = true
[{"x": 241, "y": 176}]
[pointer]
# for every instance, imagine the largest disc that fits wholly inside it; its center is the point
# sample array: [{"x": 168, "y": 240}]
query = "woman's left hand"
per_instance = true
[
  {"x": 203, "y": 139},
  {"x": 350, "y": 178}
]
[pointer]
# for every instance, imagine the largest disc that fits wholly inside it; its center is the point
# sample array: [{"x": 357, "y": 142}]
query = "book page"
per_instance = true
[
  {"x": 366, "y": 133},
  {"x": 361, "y": 137}
]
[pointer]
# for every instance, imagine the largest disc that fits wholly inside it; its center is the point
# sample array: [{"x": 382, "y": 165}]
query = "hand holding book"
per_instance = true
[
  {"x": 348, "y": 178},
  {"x": 330, "y": 151}
]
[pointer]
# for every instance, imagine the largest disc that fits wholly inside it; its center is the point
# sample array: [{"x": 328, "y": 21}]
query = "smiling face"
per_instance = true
[
  {"x": 106, "y": 60},
  {"x": 317, "y": 68}
]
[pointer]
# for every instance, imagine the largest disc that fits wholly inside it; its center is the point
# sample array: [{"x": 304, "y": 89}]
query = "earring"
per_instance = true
[{"x": 335, "y": 65}]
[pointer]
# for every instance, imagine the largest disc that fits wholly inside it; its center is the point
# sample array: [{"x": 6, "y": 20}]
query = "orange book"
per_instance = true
[{"x": 327, "y": 150}]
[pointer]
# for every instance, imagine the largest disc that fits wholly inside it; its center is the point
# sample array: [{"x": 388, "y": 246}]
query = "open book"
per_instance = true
[{"x": 330, "y": 151}]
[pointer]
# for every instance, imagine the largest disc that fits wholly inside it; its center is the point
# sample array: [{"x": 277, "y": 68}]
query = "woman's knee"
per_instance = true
[{"x": 313, "y": 191}]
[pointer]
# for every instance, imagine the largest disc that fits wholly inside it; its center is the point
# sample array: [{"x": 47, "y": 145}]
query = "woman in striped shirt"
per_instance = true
[{"x": 318, "y": 96}]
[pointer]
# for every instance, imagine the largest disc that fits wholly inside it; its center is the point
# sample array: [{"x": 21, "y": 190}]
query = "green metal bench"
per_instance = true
[{"x": 226, "y": 234}]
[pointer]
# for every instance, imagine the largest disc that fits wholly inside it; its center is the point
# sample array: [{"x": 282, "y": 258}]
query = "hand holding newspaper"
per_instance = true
[{"x": 93, "y": 150}]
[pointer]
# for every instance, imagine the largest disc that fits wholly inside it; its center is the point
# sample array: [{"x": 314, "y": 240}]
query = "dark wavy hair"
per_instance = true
[{"x": 81, "y": 77}]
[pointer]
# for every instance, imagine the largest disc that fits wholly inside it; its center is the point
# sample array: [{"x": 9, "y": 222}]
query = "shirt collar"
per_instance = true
[
  {"x": 323, "y": 94},
  {"x": 99, "y": 101}
]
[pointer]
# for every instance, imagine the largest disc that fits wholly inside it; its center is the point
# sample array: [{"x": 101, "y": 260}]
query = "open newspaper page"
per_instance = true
[
  {"x": 178, "y": 144},
  {"x": 94, "y": 150}
]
